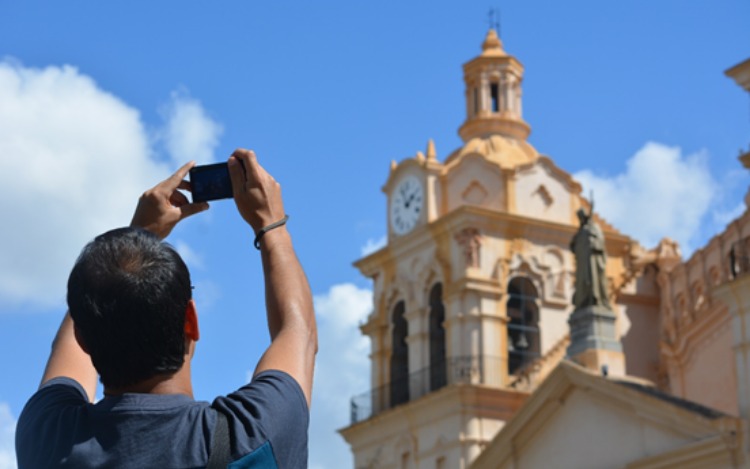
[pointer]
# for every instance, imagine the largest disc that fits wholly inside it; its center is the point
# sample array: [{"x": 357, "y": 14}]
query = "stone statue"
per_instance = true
[
  {"x": 470, "y": 240},
  {"x": 591, "y": 263}
]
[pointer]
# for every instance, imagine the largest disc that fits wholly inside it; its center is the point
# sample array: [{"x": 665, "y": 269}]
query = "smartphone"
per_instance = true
[{"x": 210, "y": 182}]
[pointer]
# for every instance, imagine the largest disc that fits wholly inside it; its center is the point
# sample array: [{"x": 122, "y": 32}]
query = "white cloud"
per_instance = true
[
  {"x": 342, "y": 370},
  {"x": 373, "y": 245},
  {"x": 192, "y": 259},
  {"x": 661, "y": 193},
  {"x": 189, "y": 134},
  {"x": 730, "y": 198},
  {"x": 723, "y": 217},
  {"x": 7, "y": 438},
  {"x": 73, "y": 161}
]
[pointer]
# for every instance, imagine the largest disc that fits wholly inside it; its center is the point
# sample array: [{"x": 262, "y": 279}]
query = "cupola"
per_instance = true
[{"x": 493, "y": 94}]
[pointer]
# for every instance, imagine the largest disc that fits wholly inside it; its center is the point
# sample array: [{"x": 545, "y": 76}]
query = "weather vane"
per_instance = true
[{"x": 494, "y": 19}]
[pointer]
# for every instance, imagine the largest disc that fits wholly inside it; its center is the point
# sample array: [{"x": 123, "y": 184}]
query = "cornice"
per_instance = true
[
  {"x": 487, "y": 126},
  {"x": 690, "y": 337},
  {"x": 487, "y": 220},
  {"x": 478, "y": 284},
  {"x": 714, "y": 451},
  {"x": 502, "y": 151},
  {"x": 457, "y": 399},
  {"x": 416, "y": 163},
  {"x": 636, "y": 299},
  {"x": 562, "y": 175},
  {"x": 506, "y": 61},
  {"x": 493, "y": 220},
  {"x": 369, "y": 264}
]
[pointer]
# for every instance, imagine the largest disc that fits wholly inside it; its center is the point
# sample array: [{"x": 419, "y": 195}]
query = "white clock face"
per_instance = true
[{"x": 407, "y": 201}]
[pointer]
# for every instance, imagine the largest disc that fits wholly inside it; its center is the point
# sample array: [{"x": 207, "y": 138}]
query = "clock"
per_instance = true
[{"x": 407, "y": 202}]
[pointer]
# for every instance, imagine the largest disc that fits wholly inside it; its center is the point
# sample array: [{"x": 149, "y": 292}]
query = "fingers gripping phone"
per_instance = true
[{"x": 210, "y": 182}]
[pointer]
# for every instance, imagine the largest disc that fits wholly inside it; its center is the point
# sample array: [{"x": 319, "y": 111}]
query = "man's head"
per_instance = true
[{"x": 128, "y": 295}]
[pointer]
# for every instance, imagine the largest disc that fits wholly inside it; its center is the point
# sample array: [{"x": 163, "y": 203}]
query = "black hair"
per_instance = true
[{"x": 127, "y": 295}]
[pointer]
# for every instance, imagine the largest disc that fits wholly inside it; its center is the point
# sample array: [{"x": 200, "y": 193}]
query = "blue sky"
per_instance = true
[{"x": 101, "y": 100}]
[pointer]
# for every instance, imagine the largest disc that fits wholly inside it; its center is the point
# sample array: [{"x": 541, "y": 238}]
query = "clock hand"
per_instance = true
[{"x": 411, "y": 199}]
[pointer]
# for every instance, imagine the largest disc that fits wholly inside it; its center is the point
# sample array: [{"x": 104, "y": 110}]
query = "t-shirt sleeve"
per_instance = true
[
  {"x": 42, "y": 419},
  {"x": 270, "y": 409}
]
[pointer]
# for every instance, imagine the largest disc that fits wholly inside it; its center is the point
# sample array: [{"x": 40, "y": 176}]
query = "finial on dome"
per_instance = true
[
  {"x": 492, "y": 43},
  {"x": 431, "y": 153}
]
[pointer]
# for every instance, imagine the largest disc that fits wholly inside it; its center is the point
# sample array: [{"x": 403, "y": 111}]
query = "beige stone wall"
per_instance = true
[
  {"x": 540, "y": 195},
  {"x": 709, "y": 374},
  {"x": 475, "y": 181},
  {"x": 605, "y": 437},
  {"x": 697, "y": 360},
  {"x": 640, "y": 339}
]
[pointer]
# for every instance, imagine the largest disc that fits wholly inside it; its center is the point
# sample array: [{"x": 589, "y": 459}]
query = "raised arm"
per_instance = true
[
  {"x": 159, "y": 210},
  {"x": 68, "y": 359},
  {"x": 289, "y": 306}
]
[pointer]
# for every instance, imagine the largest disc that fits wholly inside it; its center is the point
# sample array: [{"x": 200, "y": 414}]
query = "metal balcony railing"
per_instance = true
[{"x": 455, "y": 370}]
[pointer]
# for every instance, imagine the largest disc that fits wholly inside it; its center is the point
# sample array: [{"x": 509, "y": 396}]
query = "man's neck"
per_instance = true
[{"x": 176, "y": 383}]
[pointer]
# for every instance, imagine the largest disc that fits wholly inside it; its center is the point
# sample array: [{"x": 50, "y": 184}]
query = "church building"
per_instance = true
[{"x": 512, "y": 327}]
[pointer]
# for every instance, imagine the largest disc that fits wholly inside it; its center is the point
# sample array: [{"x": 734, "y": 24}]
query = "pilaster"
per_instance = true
[{"x": 736, "y": 295}]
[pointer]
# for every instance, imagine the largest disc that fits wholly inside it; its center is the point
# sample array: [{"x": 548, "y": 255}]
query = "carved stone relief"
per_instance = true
[
  {"x": 470, "y": 241},
  {"x": 544, "y": 194},
  {"x": 475, "y": 194}
]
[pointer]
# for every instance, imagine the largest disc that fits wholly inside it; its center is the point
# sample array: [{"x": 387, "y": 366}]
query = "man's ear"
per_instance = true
[
  {"x": 79, "y": 339},
  {"x": 191, "y": 322}
]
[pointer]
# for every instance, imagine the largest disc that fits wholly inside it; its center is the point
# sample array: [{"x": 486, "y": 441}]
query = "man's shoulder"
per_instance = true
[
  {"x": 272, "y": 392},
  {"x": 273, "y": 383},
  {"x": 61, "y": 391},
  {"x": 63, "y": 383},
  {"x": 271, "y": 411},
  {"x": 49, "y": 403}
]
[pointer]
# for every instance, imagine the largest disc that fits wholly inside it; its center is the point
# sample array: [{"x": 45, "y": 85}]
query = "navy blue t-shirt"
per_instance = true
[{"x": 268, "y": 421}]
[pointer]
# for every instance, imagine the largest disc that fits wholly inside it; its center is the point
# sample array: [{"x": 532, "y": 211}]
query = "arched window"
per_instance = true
[
  {"x": 495, "y": 96},
  {"x": 399, "y": 357},
  {"x": 438, "y": 375},
  {"x": 523, "y": 323}
]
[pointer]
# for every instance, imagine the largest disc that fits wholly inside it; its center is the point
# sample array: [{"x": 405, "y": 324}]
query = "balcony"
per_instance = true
[{"x": 456, "y": 370}]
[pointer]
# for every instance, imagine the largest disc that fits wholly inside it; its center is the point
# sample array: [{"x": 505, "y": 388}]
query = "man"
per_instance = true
[{"x": 131, "y": 314}]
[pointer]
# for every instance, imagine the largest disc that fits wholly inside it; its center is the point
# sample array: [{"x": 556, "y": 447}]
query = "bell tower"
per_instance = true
[{"x": 471, "y": 295}]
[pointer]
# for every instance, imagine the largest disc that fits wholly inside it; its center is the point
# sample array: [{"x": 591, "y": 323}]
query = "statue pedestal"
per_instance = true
[{"x": 593, "y": 340}]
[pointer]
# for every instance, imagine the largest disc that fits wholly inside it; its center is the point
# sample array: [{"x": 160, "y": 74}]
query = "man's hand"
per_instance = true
[
  {"x": 163, "y": 206},
  {"x": 256, "y": 193}
]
